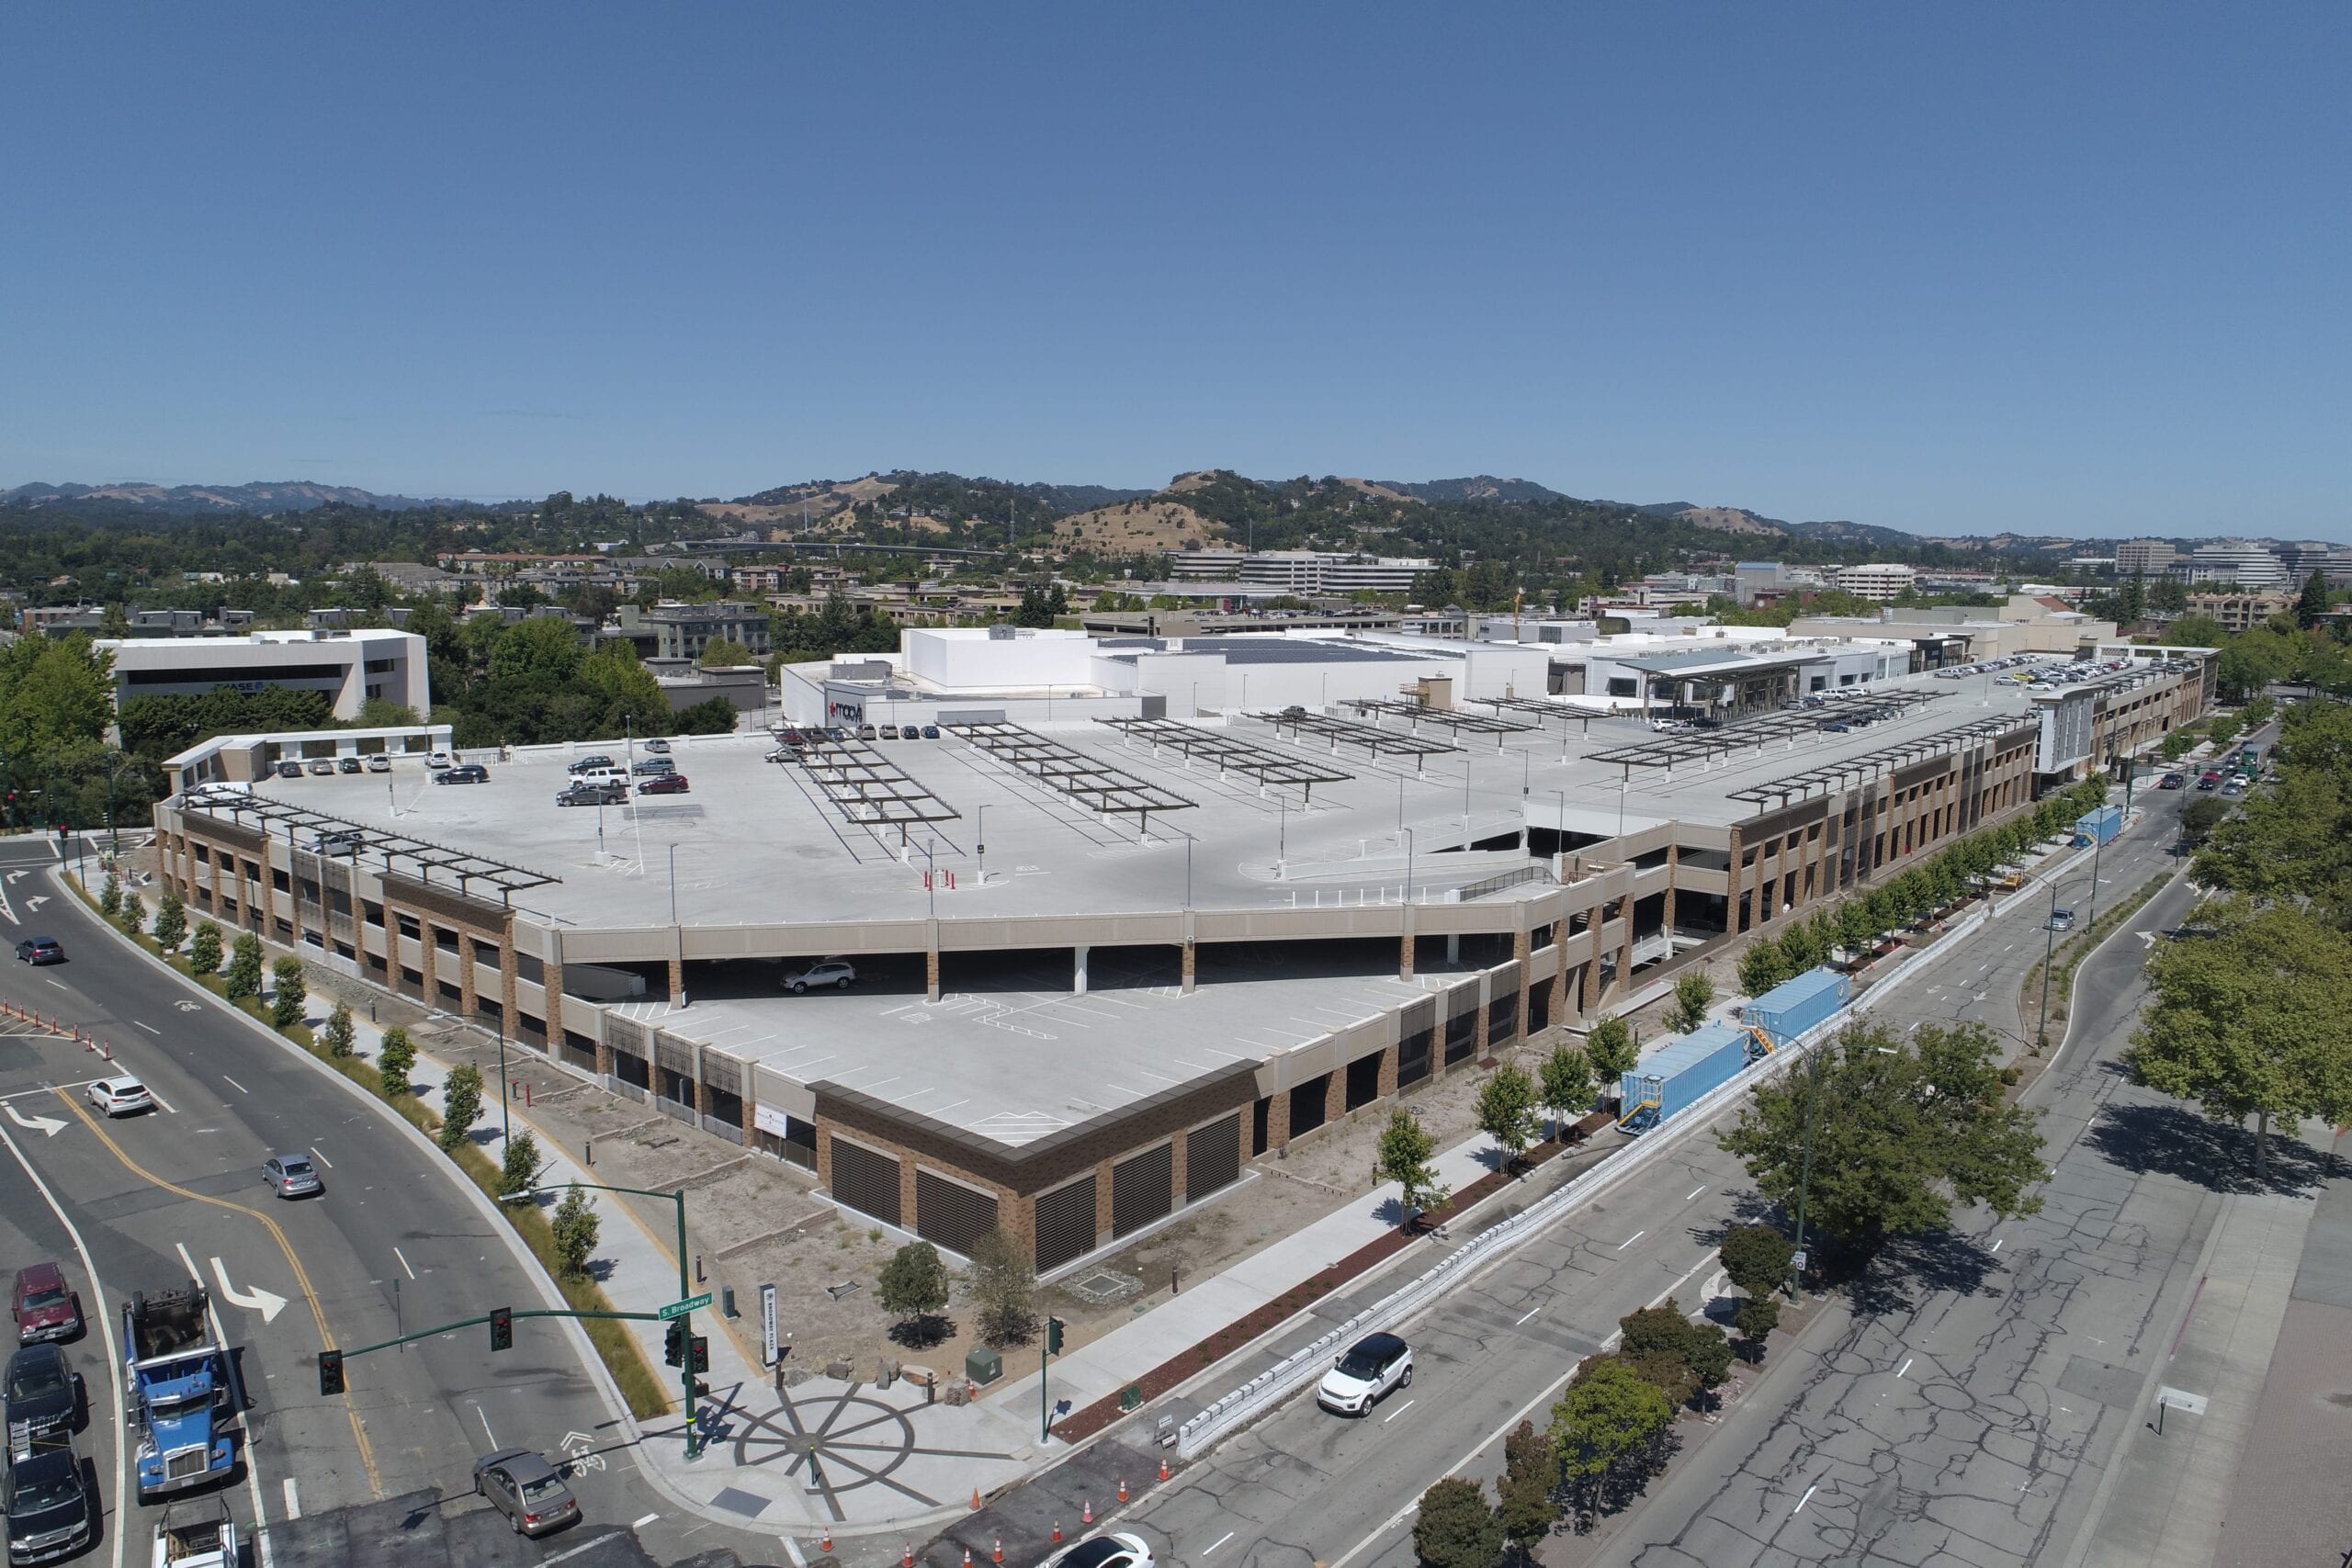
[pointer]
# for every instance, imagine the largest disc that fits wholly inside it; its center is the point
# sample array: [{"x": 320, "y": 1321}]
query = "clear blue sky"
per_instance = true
[{"x": 2074, "y": 267}]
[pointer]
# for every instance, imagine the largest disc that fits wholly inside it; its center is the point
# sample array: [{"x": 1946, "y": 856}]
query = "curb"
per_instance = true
[{"x": 598, "y": 1374}]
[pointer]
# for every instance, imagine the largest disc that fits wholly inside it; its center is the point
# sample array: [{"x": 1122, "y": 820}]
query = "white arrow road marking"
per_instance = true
[
  {"x": 188, "y": 1007},
  {"x": 33, "y": 904},
  {"x": 266, "y": 1302},
  {"x": 2147, "y": 939},
  {"x": 48, "y": 1126}
]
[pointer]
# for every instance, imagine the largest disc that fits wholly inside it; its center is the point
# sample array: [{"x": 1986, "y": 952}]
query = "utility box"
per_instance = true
[
  {"x": 1791, "y": 1007},
  {"x": 982, "y": 1365}
]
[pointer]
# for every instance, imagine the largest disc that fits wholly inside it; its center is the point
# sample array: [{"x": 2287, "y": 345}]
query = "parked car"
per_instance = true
[
  {"x": 121, "y": 1095},
  {"x": 595, "y": 764},
  {"x": 1835, "y": 726},
  {"x": 664, "y": 783},
  {"x": 337, "y": 843},
  {"x": 379, "y": 764},
  {"x": 44, "y": 1395},
  {"x": 346, "y": 764},
  {"x": 1117, "y": 1549},
  {"x": 471, "y": 772},
  {"x": 290, "y": 770},
  {"x": 835, "y": 972},
  {"x": 1359, "y": 1376},
  {"x": 441, "y": 760},
  {"x": 321, "y": 767},
  {"x": 2062, "y": 920},
  {"x": 48, "y": 1508},
  {"x": 44, "y": 1304},
  {"x": 890, "y": 732},
  {"x": 40, "y": 950},
  {"x": 291, "y": 1176},
  {"x": 657, "y": 746},
  {"x": 655, "y": 765},
  {"x": 528, "y": 1490},
  {"x": 866, "y": 732},
  {"x": 931, "y": 732},
  {"x": 592, "y": 792}
]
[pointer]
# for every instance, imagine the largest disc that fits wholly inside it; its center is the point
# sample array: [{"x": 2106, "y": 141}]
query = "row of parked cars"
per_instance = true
[
  {"x": 445, "y": 768},
  {"x": 790, "y": 740},
  {"x": 599, "y": 780},
  {"x": 1982, "y": 667},
  {"x": 51, "y": 1513}
]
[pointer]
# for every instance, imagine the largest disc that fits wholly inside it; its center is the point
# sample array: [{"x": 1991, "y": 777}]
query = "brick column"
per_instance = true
[
  {"x": 677, "y": 982},
  {"x": 1188, "y": 965},
  {"x": 1730, "y": 887},
  {"x": 1335, "y": 1094},
  {"x": 824, "y": 1158},
  {"x": 1522, "y": 949},
  {"x": 263, "y": 907},
  {"x": 428, "y": 959},
  {"x": 1018, "y": 1220},
  {"x": 1103, "y": 1220},
  {"x": 702, "y": 1089},
  {"x": 1178, "y": 1161},
  {"x": 507, "y": 975},
  {"x": 1625, "y": 947},
  {"x": 552, "y": 981},
  {"x": 1277, "y": 1120},
  {"x": 466, "y": 972},
  {"x": 1388, "y": 1086},
  {"x": 930, "y": 973},
  {"x": 1673, "y": 863}
]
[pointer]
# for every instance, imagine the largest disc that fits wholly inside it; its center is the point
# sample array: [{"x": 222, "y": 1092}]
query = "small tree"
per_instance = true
[
  {"x": 576, "y": 1228},
  {"x": 520, "y": 1166},
  {"x": 460, "y": 1105},
  {"x": 288, "y": 995},
  {"x": 1607, "y": 1423},
  {"x": 1757, "y": 1259},
  {"x": 171, "y": 922},
  {"x": 914, "y": 1289},
  {"x": 243, "y": 978},
  {"x": 394, "y": 1061},
  {"x": 1664, "y": 1331},
  {"x": 110, "y": 898},
  {"x": 1506, "y": 1112},
  {"x": 1758, "y": 1315},
  {"x": 1405, "y": 1150},
  {"x": 1566, "y": 1085},
  {"x": 335, "y": 1034},
  {"x": 1531, "y": 1469},
  {"x": 1762, "y": 966},
  {"x": 134, "y": 913},
  {"x": 1694, "y": 994},
  {"x": 1455, "y": 1528},
  {"x": 204, "y": 953},
  {"x": 1611, "y": 1049},
  {"x": 1004, "y": 1286}
]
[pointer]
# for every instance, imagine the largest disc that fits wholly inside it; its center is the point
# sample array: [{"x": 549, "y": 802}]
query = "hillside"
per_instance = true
[
  {"x": 284, "y": 495},
  {"x": 1478, "y": 487}
]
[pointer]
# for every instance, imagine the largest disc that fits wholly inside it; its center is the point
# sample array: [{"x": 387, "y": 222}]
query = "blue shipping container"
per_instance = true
[
  {"x": 1677, "y": 1074},
  {"x": 1792, "y": 1007},
  {"x": 2098, "y": 827}
]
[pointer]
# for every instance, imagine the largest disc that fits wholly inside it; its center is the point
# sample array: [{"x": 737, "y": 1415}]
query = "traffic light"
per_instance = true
[
  {"x": 501, "y": 1328},
  {"x": 330, "y": 1373},
  {"x": 674, "y": 1345},
  {"x": 1054, "y": 1326},
  {"x": 701, "y": 1353}
]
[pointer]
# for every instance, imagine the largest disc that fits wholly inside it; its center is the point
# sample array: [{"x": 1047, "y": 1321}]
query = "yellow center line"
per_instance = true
[{"x": 301, "y": 1277}]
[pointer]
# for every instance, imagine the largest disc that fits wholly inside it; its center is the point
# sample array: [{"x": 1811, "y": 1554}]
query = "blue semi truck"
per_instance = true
[{"x": 175, "y": 1391}]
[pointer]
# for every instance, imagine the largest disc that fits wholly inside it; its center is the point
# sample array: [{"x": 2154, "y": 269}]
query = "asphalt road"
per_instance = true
[
  {"x": 390, "y": 1247},
  {"x": 1968, "y": 1412},
  {"x": 1305, "y": 1487}
]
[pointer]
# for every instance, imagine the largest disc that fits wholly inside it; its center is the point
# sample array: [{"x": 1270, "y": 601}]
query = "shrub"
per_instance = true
[
  {"x": 335, "y": 1034},
  {"x": 204, "y": 953},
  {"x": 243, "y": 978},
  {"x": 289, "y": 994},
  {"x": 171, "y": 922},
  {"x": 110, "y": 898},
  {"x": 1757, "y": 1259},
  {"x": 394, "y": 1062},
  {"x": 133, "y": 913},
  {"x": 575, "y": 1227},
  {"x": 1455, "y": 1528},
  {"x": 1004, "y": 1287},
  {"x": 460, "y": 1105},
  {"x": 914, "y": 1285},
  {"x": 520, "y": 1166}
]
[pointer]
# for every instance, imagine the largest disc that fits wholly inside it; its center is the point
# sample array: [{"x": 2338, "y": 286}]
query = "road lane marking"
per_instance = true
[
  {"x": 1530, "y": 1313},
  {"x": 1399, "y": 1411},
  {"x": 321, "y": 1158},
  {"x": 1693, "y": 1193},
  {"x": 614, "y": 1535},
  {"x": 293, "y": 1500},
  {"x": 640, "y": 1524},
  {"x": 1997, "y": 1246},
  {"x": 301, "y": 1280},
  {"x": 149, "y": 1028},
  {"x": 1803, "y": 1500},
  {"x": 168, "y": 1107},
  {"x": 106, "y": 1328},
  {"x": 235, "y": 1084},
  {"x": 1220, "y": 1542},
  {"x": 485, "y": 1428},
  {"x": 59, "y": 984},
  {"x": 1631, "y": 1240},
  {"x": 404, "y": 1262},
  {"x": 1906, "y": 1365}
]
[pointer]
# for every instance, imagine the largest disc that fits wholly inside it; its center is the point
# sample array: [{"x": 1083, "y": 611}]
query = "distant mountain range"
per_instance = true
[{"x": 284, "y": 495}]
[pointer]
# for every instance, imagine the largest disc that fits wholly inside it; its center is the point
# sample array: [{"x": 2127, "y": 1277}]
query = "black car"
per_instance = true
[
  {"x": 43, "y": 1394},
  {"x": 40, "y": 950},
  {"x": 597, "y": 763},
  {"x": 290, "y": 770},
  {"x": 347, "y": 765},
  {"x": 49, "y": 1509},
  {"x": 468, "y": 773},
  {"x": 592, "y": 792}
]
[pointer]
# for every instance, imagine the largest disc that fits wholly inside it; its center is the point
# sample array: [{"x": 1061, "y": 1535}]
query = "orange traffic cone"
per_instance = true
[
  {"x": 825, "y": 1540},
  {"x": 1163, "y": 1467},
  {"x": 1123, "y": 1489},
  {"x": 999, "y": 1553},
  {"x": 976, "y": 1499},
  {"x": 1057, "y": 1532},
  {"x": 967, "y": 1557},
  {"x": 1086, "y": 1516},
  {"x": 907, "y": 1560}
]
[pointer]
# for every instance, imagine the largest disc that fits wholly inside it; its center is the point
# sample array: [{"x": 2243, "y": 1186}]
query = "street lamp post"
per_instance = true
[
  {"x": 1409, "y": 866},
  {"x": 686, "y": 1319}
]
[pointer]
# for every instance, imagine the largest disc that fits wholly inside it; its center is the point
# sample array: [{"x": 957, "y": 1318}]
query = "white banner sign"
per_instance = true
[{"x": 767, "y": 1321}]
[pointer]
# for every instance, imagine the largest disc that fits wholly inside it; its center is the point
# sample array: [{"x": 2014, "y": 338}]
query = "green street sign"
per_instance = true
[{"x": 680, "y": 1309}]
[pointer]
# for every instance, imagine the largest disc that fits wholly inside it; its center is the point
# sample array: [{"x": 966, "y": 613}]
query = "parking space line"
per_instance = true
[
  {"x": 1631, "y": 1240},
  {"x": 149, "y": 1028},
  {"x": 321, "y": 1158},
  {"x": 485, "y": 1426},
  {"x": 235, "y": 1084},
  {"x": 1399, "y": 1411},
  {"x": 404, "y": 1262}
]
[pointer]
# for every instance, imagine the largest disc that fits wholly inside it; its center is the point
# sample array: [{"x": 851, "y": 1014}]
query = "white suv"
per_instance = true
[
  {"x": 837, "y": 972},
  {"x": 1376, "y": 1364}
]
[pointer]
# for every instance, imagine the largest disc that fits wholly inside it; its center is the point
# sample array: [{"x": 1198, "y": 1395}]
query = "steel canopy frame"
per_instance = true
[
  {"x": 422, "y": 853},
  {"x": 1088, "y": 780},
  {"x": 1452, "y": 718},
  {"x": 868, "y": 789},
  {"x": 1191, "y": 740},
  {"x": 1871, "y": 765},
  {"x": 1704, "y": 745},
  {"x": 1540, "y": 708},
  {"x": 1379, "y": 743}
]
